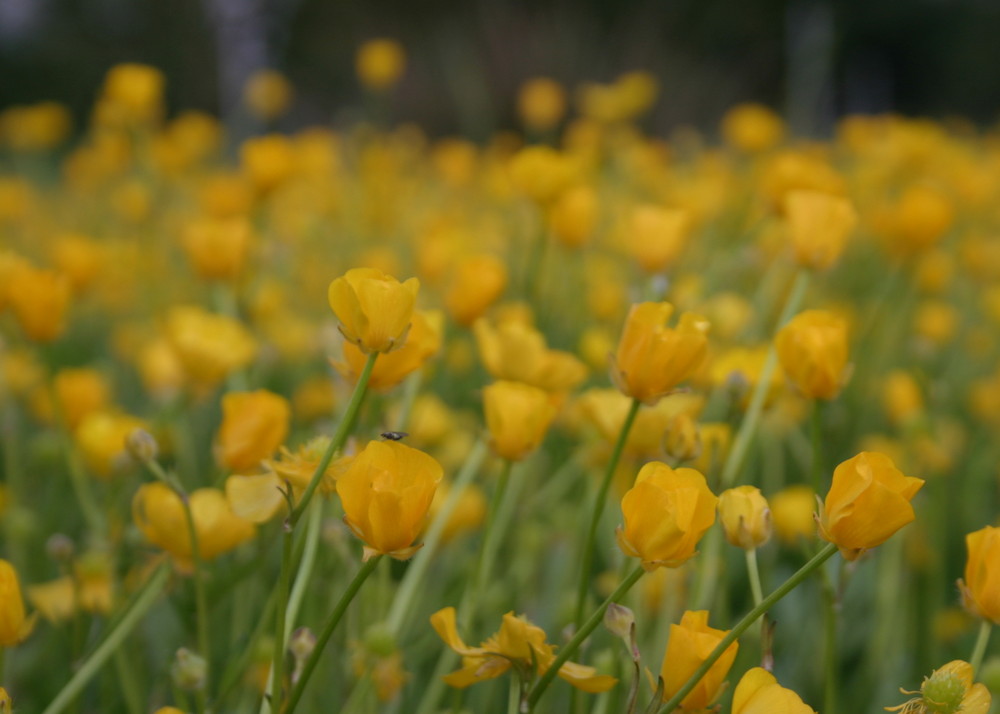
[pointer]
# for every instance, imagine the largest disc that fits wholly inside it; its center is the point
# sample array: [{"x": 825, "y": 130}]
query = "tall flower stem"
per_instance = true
[
  {"x": 982, "y": 639},
  {"x": 487, "y": 548},
  {"x": 753, "y": 572},
  {"x": 748, "y": 620},
  {"x": 331, "y": 624},
  {"x": 600, "y": 500},
  {"x": 829, "y": 646},
  {"x": 140, "y": 606},
  {"x": 581, "y": 634},
  {"x": 283, "y": 587}
]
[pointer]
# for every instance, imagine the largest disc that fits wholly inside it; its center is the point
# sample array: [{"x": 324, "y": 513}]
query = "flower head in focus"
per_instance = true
[{"x": 949, "y": 690}]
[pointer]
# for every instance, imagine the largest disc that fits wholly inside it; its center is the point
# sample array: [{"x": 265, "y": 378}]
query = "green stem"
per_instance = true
[
  {"x": 402, "y": 603},
  {"x": 86, "y": 672},
  {"x": 331, "y": 624},
  {"x": 816, "y": 470},
  {"x": 128, "y": 682},
  {"x": 754, "y": 574},
  {"x": 308, "y": 562},
  {"x": 81, "y": 488},
  {"x": 599, "y": 502},
  {"x": 581, "y": 634},
  {"x": 284, "y": 585},
  {"x": 751, "y": 617},
  {"x": 339, "y": 438},
  {"x": 980, "y": 648},
  {"x": 484, "y": 563},
  {"x": 829, "y": 646}
]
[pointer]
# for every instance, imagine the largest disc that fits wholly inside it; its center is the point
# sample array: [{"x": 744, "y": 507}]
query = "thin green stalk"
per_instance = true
[
  {"x": 982, "y": 640},
  {"x": 830, "y": 671},
  {"x": 816, "y": 470},
  {"x": 581, "y": 634},
  {"x": 234, "y": 671},
  {"x": 150, "y": 592},
  {"x": 599, "y": 502},
  {"x": 742, "y": 626},
  {"x": 514, "y": 695},
  {"x": 284, "y": 585},
  {"x": 81, "y": 489},
  {"x": 127, "y": 681},
  {"x": 306, "y": 565},
  {"x": 331, "y": 624},
  {"x": 754, "y": 574},
  {"x": 401, "y": 604},
  {"x": 484, "y": 561},
  {"x": 339, "y": 438}
]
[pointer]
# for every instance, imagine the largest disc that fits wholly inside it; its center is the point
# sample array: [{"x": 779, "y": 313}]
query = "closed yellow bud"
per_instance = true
[
  {"x": 574, "y": 215},
  {"x": 656, "y": 236},
  {"x": 423, "y": 341},
  {"x": 79, "y": 392},
  {"x": 516, "y": 351},
  {"x": 267, "y": 94},
  {"x": 254, "y": 425},
  {"x": 218, "y": 248},
  {"x": 14, "y": 626},
  {"x": 869, "y": 500},
  {"x": 134, "y": 92},
  {"x": 652, "y": 358},
  {"x": 209, "y": 346},
  {"x": 981, "y": 585},
  {"x": 793, "y": 513},
  {"x": 517, "y": 416},
  {"x": 752, "y": 128},
  {"x": 386, "y": 492},
  {"x": 374, "y": 309},
  {"x": 666, "y": 513},
  {"x": 759, "y": 693},
  {"x": 39, "y": 300},
  {"x": 380, "y": 63},
  {"x": 818, "y": 225},
  {"x": 159, "y": 514},
  {"x": 477, "y": 282},
  {"x": 101, "y": 437},
  {"x": 690, "y": 644},
  {"x": 541, "y": 103},
  {"x": 267, "y": 161},
  {"x": 745, "y": 517},
  {"x": 812, "y": 349}
]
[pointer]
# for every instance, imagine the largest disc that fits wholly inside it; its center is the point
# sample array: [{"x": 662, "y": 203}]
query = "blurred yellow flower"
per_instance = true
[
  {"x": 666, "y": 513},
  {"x": 14, "y": 625},
  {"x": 380, "y": 63},
  {"x": 39, "y": 300},
  {"x": 477, "y": 282},
  {"x": 518, "y": 416},
  {"x": 818, "y": 225},
  {"x": 869, "y": 500},
  {"x": 101, "y": 435},
  {"x": 655, "y": 236},
  {"x": 218, "y": 248},
  {"x": 541, "y": 103},
  {"x": 792, "y": 512},
  {"x": 515, "y": 351},
  {"x": 267, "y": 93},
  {"x": 652, "y": 358},
  {"x": 374, "y": 309},
  {"x": 209, "y": 346},
  {"x": 78, "y": 392},
  {"x": 812, "y": 349},
  {"x": 422, "y": 342},
  {"x": 752, "y": 128},
  {"x": 386, "y": 492},
  {"x": 254, "y": 425},
  {"x": 981, "y": 585},
  {"x": 949, "y": 690}
]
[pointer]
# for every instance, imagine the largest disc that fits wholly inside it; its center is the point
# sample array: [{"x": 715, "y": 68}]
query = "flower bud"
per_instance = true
[
  {"x": 812, "y": 349},
  {"x": 142, "y": 446},
  {"x": 189, "y": 670},
  {"x": 745, "y": 517},
  {"x": 374, "y": 309},
  {"x": 517, "y": 416},
  {"x": 689, "y": 645}
]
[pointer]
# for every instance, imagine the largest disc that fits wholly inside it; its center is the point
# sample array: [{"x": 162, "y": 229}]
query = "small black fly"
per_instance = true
[{"x": 394, "y": 435}]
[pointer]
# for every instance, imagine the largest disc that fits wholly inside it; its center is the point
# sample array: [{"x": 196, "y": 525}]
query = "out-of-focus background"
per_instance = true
[{"x": 812, "y": 60}]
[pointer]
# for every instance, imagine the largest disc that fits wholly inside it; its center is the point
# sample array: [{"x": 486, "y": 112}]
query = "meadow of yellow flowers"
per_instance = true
[{"x": 661, "y": 424}]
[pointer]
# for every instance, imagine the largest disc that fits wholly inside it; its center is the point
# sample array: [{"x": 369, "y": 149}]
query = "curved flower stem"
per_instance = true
[
  {"x": 748, "y": 619},
  {"x": 141, "y": 605},
  {"x": 980, "y": 648},
  {"x": 339, "y": 438},
  {"x": 581, "y": 634},
  {"x": 599, "y": 503},
  {"x": 331, "y": 624}
]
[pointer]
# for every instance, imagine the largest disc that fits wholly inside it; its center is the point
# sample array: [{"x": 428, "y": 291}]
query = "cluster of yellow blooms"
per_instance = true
[{"x": 618, "y": 318}]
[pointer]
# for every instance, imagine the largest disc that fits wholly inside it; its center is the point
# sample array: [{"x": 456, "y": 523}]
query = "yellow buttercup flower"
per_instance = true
[
  {"x": 745, "y": 516},
  {"x": 818, "y": 225},
  {"x": 541, "y": 103},
  {"x": 517, "y": 416},
  {"x": 209, "y": 346},
  {"x": 267, "y": 161},
  {"x": 135, "y": 92},
  {"x": 386, "y": 492},
  {"x": 39, "y": 300},
  {"x": 267, "y": 93},
  {"x": 752, "y": 128},
  {"x": 515, "y": 351},
  {"x": 79, "y": 258},
  {"x": 655, "y": 236},
  {"x": 380, "y": 63},
  {"x": 949, "y": 690},
  {"x": 218, "y": 248},
  {"x": 869, "y": 500},
  {"x": 518, "y": 644},
  {"x": 101, "y": 435},
  {"x": 981, "y": 585},
  {"x": 666, "y": 513},
  {"x": 652, "y": 358},
  {"x": 78, "y": 392},
  {"x": 573, "y": 216},
  {"x": 812, "y": 349},
  {"x": 159, "y": 514},
  {"x": 792, "y": 512},
  {"x": 901, "y": 397},
  {"x": 758, "y": 692},
  {"x": 254, "y": 425},
  {"x": 14, "y": 625},
  {"x": 690, "y": 644},
  {"x": 478, "y": 281},
  {"x": 422, "y": 341},
  {"x": 374, "y": 309}
]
